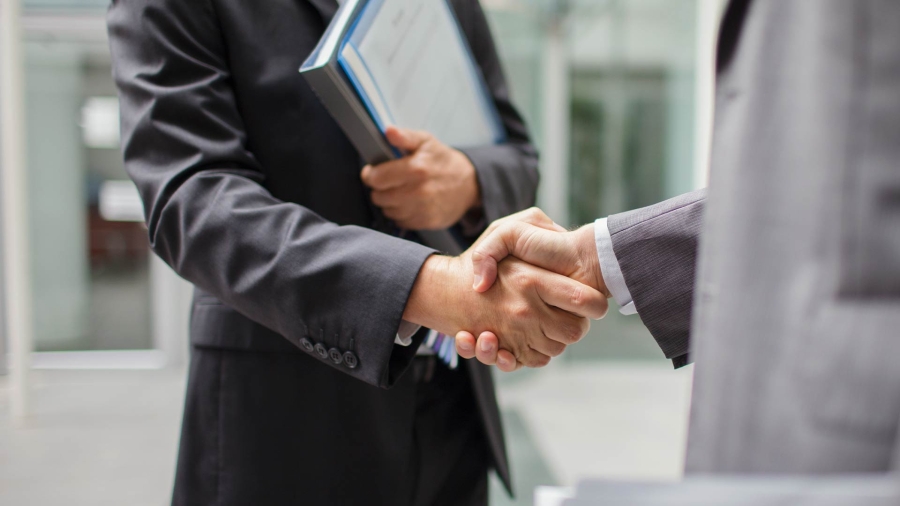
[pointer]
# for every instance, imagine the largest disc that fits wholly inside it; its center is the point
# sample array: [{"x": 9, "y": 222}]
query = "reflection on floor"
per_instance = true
[
  {"x": 104, "y": 438},
  {"x": 615, "y": 420},
  {"x": 109, "y": 437}
]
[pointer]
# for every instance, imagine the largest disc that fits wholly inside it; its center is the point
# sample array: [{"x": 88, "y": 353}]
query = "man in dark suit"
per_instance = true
[{"x": 304, "y": 314}]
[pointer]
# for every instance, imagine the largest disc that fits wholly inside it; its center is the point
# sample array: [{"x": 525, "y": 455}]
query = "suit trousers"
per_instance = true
[{"x": 257, "y": 430}]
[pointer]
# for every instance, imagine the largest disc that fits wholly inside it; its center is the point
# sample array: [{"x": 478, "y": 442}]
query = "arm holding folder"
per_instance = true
[{"x": 429, "y": 67}]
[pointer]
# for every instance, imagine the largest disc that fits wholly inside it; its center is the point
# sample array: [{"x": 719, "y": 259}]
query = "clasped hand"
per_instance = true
[
  {"x": 529, "y": 236},
  {"x": 431, "y": 188},
  {"x": 526, "y": 308}
]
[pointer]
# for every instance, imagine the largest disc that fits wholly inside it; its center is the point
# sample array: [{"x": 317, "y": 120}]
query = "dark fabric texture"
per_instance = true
[
  {"x": 449, "y": 442},
  {"x": 422, "y": 442},
  {"x": 253, "y": 194}
]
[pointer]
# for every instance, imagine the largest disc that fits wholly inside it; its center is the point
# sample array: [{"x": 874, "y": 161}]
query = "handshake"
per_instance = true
[{"x": 527, "y": 289}]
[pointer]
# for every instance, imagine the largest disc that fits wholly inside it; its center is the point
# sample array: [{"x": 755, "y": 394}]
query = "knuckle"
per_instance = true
[
  {"x": 522, "y": 279},
  {"x": 418, "y": 167},
  {"x": 578, "y": 297},
  {"x": 522, "y": 312},
  {"x": 577, "y": 331},
  {"x": 571, "y": 333}
]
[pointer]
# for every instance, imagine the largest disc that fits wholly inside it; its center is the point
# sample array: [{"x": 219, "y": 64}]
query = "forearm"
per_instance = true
[
  {"x": 212, "y": 219},
  {"x": 656, "y": 248}
]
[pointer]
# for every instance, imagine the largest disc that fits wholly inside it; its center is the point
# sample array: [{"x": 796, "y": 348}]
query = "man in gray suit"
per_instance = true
[{"x": 793, "y": 313}]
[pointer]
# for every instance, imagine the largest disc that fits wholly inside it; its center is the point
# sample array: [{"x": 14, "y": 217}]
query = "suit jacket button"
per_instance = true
[
  {"x": 350, "y": 360},
  {"x": 307, "y": 345},
  {"x": 335, "y": 355},
  {"x": 321, "y": 351}
]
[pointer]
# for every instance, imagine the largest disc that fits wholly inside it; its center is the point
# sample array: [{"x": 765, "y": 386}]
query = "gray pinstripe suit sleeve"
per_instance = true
[{"x": 657, "y": 251}]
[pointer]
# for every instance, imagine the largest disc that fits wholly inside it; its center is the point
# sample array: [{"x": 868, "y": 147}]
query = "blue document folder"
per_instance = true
[
  {"x": 404, "y": 63},
  {"x": 412, "y": 67}
]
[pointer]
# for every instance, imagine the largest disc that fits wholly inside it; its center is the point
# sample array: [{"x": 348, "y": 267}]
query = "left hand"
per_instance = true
[{"x": 431, "y": 188}]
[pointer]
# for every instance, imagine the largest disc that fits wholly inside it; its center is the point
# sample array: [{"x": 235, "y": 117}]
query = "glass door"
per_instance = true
[{"x": 96, "y": 285}]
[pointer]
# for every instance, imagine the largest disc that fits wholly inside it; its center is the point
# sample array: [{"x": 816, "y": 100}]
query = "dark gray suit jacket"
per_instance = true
[
  {"x": 253, "y": 194},
  {"x": 793, "y": 313}
]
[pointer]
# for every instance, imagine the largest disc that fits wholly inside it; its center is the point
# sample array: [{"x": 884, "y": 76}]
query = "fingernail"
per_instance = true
[
  {"x": 464, "y": 345},
  {"x": 486, "y": 346},
  {"x": 501, "y": 361},
  {"x": 477, "y": 283}
]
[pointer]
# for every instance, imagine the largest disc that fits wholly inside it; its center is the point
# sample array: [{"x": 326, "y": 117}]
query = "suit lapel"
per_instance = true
[
  {"x": 730, "y": 31},
  {"x": 326, "y": 9}
]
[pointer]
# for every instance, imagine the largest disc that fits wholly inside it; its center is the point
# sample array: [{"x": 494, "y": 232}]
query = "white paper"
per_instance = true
[{"x": 415, "y": 53}]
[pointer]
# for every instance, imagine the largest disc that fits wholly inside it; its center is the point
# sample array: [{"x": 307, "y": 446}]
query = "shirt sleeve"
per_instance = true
[
  {"x": 609, "y": 267},
  {"x": 406, "y": 332}
]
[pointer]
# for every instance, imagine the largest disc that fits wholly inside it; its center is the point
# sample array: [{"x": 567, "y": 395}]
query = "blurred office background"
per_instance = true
[{"x": 617, "y": 94}]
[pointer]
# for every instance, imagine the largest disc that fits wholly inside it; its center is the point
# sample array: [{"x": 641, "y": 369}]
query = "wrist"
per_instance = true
[
  {"x": 473, "y": 192},
  {"x": 430, "y": 303},
  {"x": 586, "y": 246}
]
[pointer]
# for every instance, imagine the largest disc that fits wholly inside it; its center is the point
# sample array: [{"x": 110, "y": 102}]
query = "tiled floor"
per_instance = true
[{"x": 109, "y": 437}]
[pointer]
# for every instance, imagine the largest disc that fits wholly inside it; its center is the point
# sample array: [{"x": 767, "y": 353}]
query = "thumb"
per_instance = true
[
  {"x": 406, "y": 140},
  {"x": 491, "y": 249},
  {"x": 540, "y": 247}
]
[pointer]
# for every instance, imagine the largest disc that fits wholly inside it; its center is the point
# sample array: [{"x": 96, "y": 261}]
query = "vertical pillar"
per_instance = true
[
  {"x": 707, "y": 27},
  {"x": 171, "y": 312},
  {"x": 18, "y": 296},
  {"x": 555, "y": 119},
  {"x": 60, "y": 269}
]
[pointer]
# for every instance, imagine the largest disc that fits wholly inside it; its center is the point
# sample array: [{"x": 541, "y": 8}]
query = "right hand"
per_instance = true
[
  {"x": 540, "y": 312},
  {"x": 526, "y": 236}
]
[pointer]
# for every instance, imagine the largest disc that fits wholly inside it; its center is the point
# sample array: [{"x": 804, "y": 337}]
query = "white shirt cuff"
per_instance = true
[
  {"x": 406, "y": 332},
  {"x": 609, "y": 267}
]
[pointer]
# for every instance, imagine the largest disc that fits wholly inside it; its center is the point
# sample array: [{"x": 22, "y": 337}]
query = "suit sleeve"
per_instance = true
[
  {"x": 209, "y": 215},
  {"x": 507, "y": 173},
  {"x": 657, "y": 251}
]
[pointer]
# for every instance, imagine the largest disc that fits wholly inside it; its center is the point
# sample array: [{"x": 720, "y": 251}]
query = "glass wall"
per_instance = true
[
  {"x": 90, "y": 256},
  {"x": 631, "y": 117},
  {"x": 630, "y": 91}
]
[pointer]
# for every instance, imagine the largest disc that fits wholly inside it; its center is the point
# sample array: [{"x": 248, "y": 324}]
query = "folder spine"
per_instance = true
[{"x": 343, "y": 105}]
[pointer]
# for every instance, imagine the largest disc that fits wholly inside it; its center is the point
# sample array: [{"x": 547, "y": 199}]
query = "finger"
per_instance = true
[
  {"x": 491, "y": 250},
  {"x": 532, "y": 216},
  {"x": 548, "y": 249},
  {"x": 562, "y": 327},
  {"x": 388, "y": 175},
  {"x": 507, "y": 362},
  {"x": 487, "y": 347},
  {"x": 406, "y": 140},
  {"x": 570, "y": 295},
  {"x": 465, "y": 344},
  {"x": 553, "y": 347},
  {"x": 533, "y": 359},
  {"x": 393, "y": 197},
  {"x": 486, "y": 267}
]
